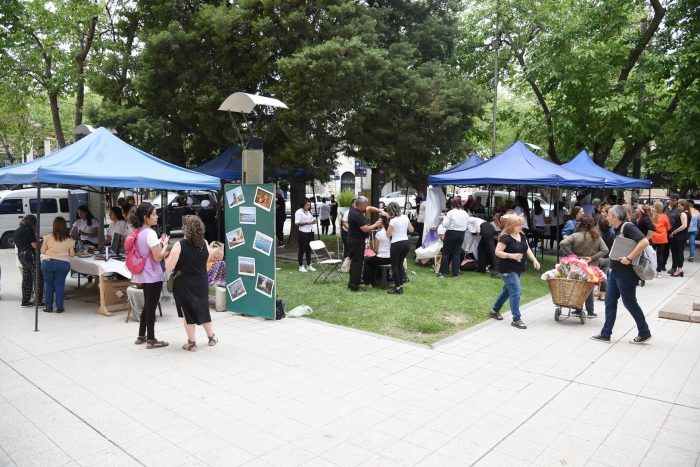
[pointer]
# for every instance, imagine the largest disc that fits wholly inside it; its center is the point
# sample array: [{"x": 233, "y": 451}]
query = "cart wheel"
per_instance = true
[
  {"x": 557, "y": 313},
  {"x": 583, "y": 316}
]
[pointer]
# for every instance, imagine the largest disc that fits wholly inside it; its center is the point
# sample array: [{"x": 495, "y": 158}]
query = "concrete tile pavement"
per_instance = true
[{"x": 301, "y": 392}]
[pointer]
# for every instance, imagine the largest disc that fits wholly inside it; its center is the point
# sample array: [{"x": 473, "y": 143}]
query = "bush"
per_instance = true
[{"x": 344, "y": 198}]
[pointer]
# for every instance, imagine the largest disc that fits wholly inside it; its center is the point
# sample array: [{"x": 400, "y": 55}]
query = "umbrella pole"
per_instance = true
[
  {"x": 558, "y": 231},
  {"x": 37, "y": 258},
  {"x": 313, "y": 193}
]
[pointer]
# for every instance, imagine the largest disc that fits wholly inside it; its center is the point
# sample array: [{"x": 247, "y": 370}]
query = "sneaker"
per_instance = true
[
  {"x": 27, "y": 304},
  {"x": 310, "y": 268},
  {"x": 592, "y": 314},
  {"x": 600, "y": 338},
  {"x": 640, "y": 340},
  {"x": 496, "y": 315},
  {"x": 576, "y": 313},
  {"x": 518, "y": 324},
  {"x": 658, "y": 274},
  {"x": 690, "y": 259},
  {"x": 302, "y": 269},
  {"x": 440, "y": 275}
]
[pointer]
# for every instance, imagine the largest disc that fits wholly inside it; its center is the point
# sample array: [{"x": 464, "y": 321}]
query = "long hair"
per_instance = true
[
  {"x": 538, "y": 207},
  {"x": 28, "y": 221},
  {"x": 510, "y": 222},
  {"x": 85, "y": 209},
  {"x": 193, "y": 231},
  {"x": 60, "y": 229},
  {"x": 137, "y": 216},
  {"x": 587, "y": 224},
  {"x": 658, "y": 209},
  {"x": 457, "y": 202},
  {"x": 117, "y": 211},
  {"x": 574, "y": 212}
]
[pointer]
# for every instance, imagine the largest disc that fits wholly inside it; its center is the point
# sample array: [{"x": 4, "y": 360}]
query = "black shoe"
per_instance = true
[
  {"x": 356, "y": 290},
  {"x": 576, "y": 313},
  {"x": 439, "y": 274},
  {"x": 642, "y": 283},
  {"x": 640, "y": 340},
  {"x": 496, "y": 315},
  {"x": 48, "y": 310},
  {"x": 600, "y": 338},
  {"x": 27, "y": 304},
  {"x": 518, "y": 324},
  {"x": 42, "y": 303},
  {"x": 592, "y": 314},
  {"x": 60, "y": 310},
  {"x": 671, "y": 271},
  {"x": 398, "y": 291}
]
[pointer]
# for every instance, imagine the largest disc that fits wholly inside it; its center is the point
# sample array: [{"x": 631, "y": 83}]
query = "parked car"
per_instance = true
[
  {"x": 400, "y": 198},
  {"x": 15, "y": 204},
  {"x": 176, "y": 206}
]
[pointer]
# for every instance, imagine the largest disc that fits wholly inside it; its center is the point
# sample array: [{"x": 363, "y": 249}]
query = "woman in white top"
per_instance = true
[
  {"x": 456, "y": 222},
  {"x": 399, "y": 228},
  {"x": 324, "y": 215},
  {"x": 86, "y": 225},
  {"x": 117, "y": 226},
  {"x": 382, "y": 248},
  {"x": 305, "y": 221}
]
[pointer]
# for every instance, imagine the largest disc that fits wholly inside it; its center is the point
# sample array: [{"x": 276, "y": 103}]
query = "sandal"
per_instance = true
[
  {"x": 155, "y": 344},
  {"x": 191, "y": 346},
  {"x": 140, "y": 340},
  {"x": 213, "y": 340}
]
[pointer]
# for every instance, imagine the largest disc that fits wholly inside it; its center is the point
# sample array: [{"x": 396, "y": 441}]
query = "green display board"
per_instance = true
[{"x": 250, "y": 249}]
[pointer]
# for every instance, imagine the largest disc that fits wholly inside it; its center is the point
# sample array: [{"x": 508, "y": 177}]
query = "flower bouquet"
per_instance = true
[
  {"x": 571, "y": 267},
  {"x": 572, "y": 280}
]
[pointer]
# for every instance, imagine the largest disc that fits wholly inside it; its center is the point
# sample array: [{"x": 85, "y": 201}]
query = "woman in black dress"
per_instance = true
[{"x": 188, "y": 260}]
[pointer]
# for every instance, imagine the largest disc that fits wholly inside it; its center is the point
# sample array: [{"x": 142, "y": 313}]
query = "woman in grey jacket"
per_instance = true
[{"x": 587, "y": 244}]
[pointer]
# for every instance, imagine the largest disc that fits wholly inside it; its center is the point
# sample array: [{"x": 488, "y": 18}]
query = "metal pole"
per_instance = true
[
  {"x": 313, "y": 193},
  {"x": 37, "y": 259},
  {"x": 495, "y": 43}
]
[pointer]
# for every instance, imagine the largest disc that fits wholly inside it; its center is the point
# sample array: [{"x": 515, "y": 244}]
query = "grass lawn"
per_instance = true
[{"x": 429, "y": 310}]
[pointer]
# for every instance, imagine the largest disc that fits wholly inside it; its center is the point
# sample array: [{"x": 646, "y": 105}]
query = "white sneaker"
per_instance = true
[
  {"x": 310, "y": 268},
  {"x": 302, "y": 269}
]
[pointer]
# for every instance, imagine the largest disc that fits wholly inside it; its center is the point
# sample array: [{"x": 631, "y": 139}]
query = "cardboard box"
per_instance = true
[{"x": 113, "y": 296}]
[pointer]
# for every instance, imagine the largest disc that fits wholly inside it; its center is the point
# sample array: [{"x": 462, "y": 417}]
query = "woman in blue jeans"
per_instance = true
[
  {"x": 511, "y": 250},
  {"x": 56, "y": 248}
]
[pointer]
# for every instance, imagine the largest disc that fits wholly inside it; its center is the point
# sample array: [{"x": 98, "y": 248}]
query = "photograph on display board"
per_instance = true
[
  {"x": 246, "y": 215},
  {"x": 235, "y": 197},
  {"x": 236, "y": 289},
  {"x": 246, "y": 266},
  {"x": 264, "y": 285},
  {"x": 262, "y": 243},
  {"x": 263, "y": 199},
  {"x": 235, "y": 238}
]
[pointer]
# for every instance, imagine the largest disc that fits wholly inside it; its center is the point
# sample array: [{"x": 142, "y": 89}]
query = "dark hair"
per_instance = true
[
  {"x": 85, "y": 209},
  {"x": 304, "y": 201},
  {"x": 456, "y": 202},
  {"x": 538, "y": 207},
  {"x": 28, "y": 221},
  {"x": 587, "y": 224},
  {"x": 60, "y": 229},
  {"x": 574, "y": 212},
  {"x": 117, "y": 213},
  {"x": 137, "y": 216}
]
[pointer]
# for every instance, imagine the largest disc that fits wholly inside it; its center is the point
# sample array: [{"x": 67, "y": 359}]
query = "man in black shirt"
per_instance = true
[
  {"x": 358, "y": 231},
  {"x": 623, "y": 280},
  {"x": 334, "y": 212}
]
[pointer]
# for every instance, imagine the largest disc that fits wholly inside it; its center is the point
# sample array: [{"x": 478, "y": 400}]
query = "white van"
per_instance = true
[{"x": 15, "y": 204}]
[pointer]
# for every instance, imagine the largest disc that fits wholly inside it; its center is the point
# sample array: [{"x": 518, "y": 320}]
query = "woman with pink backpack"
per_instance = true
[{"x": 152, "y": 250}]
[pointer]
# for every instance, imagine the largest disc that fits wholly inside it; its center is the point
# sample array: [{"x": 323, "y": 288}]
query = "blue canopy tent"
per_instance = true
[
  {"x": 517, "y": 165},
  {"x": 584, "y": 164},
  {"x": 229, "y": 166},
  {"x": 101, "y": 159},
  {"x": 471, "y": 161}
]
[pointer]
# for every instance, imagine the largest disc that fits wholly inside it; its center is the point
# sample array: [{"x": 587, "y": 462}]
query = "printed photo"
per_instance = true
[
  {"x": 236, "y": 289},
  {"x": 262, "y": 243},
  {"x": 246, "y": 215},
  {"x": 246, "y": 266},
  {"x": 235, "y": 197},
  {"x": 235, "y": 238},
  {"x": 264, "y": 285},
  {"x": 263, "y": 199}
]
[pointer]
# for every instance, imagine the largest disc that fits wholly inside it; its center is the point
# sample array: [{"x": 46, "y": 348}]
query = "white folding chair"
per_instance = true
[{"x": 329, "y": 265}]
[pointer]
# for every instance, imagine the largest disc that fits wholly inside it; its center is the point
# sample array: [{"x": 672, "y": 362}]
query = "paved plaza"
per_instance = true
[{"x": 302, "y": 392}]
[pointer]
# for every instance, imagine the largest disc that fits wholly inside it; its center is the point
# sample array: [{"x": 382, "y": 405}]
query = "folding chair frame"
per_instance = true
[{"x": 329, "y": 266}]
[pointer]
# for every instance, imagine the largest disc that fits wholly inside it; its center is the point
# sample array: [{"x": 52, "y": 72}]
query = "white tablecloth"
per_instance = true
[{"x": 99, "y": 267}]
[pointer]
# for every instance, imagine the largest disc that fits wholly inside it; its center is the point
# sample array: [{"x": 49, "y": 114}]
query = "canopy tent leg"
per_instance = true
[
  {"x": 37, "y": 258},
  {"x": 558, "y": 230},
  {"x": 313, "y": 193}
]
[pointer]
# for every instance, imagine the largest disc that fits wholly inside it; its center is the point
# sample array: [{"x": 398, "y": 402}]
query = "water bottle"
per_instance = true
[{"x": 106, "y": 252}]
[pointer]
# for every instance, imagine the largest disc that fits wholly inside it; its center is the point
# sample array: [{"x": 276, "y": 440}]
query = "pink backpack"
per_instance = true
[{"x": 134, "y": 261}]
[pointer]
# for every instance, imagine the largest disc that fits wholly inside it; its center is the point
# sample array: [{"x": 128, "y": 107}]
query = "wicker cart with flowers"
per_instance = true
[{"x": 570, "y": 282}]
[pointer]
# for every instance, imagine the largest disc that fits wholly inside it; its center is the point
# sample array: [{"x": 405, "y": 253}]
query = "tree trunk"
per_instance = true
[
  {"x": 80, "y": 68},
  {"x": 297, "y": 192},
  {"x": 56, "y": 117}
]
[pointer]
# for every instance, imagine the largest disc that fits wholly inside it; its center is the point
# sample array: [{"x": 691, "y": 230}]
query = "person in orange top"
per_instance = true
[{"x": 660, "y": 238}]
